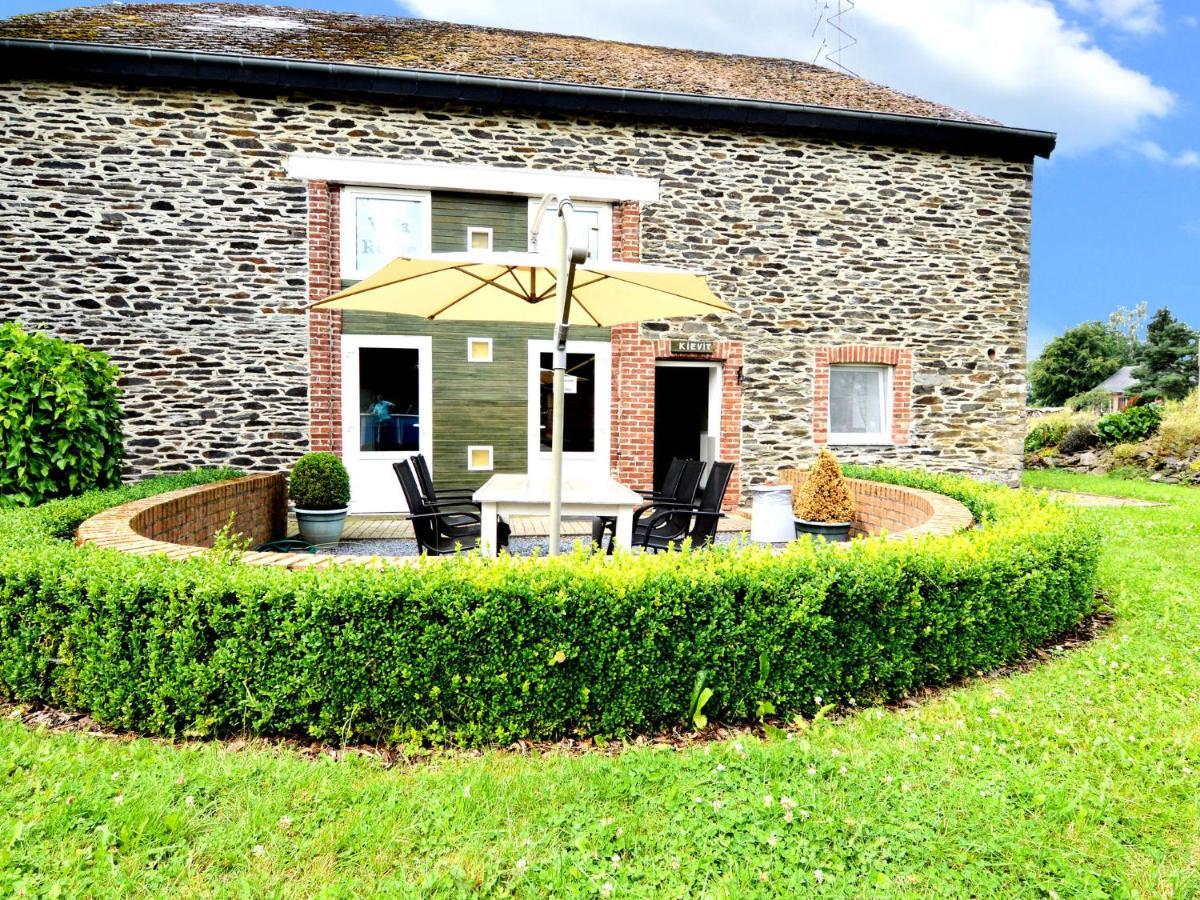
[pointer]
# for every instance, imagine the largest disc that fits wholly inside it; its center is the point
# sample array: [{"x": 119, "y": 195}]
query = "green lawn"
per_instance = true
[{"x": 1078, "y": 778}]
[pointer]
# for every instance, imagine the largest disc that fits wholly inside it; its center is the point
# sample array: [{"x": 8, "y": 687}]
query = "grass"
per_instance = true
[{"x": 1075, "y": 778}]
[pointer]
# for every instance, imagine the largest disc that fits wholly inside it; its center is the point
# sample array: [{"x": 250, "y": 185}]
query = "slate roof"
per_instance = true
[
  {"x": 401, "y": 43},
  {"x": 1119, "y": 382}
]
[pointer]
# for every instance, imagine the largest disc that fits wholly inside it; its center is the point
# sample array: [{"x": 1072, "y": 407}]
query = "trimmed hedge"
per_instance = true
[{"x": 468, "y": 651}]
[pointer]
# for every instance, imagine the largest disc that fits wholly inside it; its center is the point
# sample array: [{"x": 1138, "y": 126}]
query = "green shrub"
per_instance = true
[
  {"x": 1126, "y": 451},
  {"x": 1179, "y": 431},
  {"x": 465, "y": 650},
  {"x": 1093, "y": 401},
  {"x": 1129, "y": 473},
  {"x": 1079, "y": 438},
  {"x": 319, "y": 481},
  {"x": 1133, "y": 424},
  {"x": 60, "y": 419}
]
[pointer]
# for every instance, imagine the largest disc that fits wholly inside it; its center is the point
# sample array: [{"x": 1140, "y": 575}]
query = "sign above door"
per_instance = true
[{"x": 692, "y": 347}]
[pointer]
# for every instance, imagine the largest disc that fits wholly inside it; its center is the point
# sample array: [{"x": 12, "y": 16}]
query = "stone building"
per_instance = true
[{"x": 178, "y": 182}]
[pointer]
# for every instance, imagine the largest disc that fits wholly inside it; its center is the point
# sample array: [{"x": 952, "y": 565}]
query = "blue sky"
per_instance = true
[{"x": 1117, "y": 210}]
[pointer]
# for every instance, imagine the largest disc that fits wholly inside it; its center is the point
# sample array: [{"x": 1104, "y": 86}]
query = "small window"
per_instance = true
[
  {"x": 860, "y": 404},
  {"x": 479, "y": 349},
  {"x": 479, "y": 459},
  {"x": 479, "y": 240}
]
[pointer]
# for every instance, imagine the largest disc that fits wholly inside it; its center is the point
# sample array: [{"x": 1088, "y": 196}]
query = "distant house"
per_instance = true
[
  {"x": 178, "y": 181},
  {"x": 1117, "y": 386}
]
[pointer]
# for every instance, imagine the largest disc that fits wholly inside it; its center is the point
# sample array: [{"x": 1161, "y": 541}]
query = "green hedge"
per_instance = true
[{"x": 468, "y": 651}]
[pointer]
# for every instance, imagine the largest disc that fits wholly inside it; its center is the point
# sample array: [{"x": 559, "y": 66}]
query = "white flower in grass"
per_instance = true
[
  {"x": 260, "y": 850},
  {"x": 773, "y": 839},
  {"x": 818, "y": 875},
  {"x": 716, "y": 805},
  {"x": 116, "y": 776},
  {"x": 787, "y": 802},
  {"x": 180, "y": 780},
  {"x": 844, "y": 770},
  {"x": 768, "y": 800},
  {"x": 521, "y": 864},
  {"x": 675, "y": 863},
  {"x": 189, "y": 800},
  {"x": 812, "y": 770},
  {"x": 119, "y": 800},
  {"x": 606, "y": 889},
  {"x": 817, "y": 700},
  {"x": 285, "y": 822},
  {"x": 616, "y": 859},
  {"x": 720, "y": 767},
  {"x": 804, "y": 814},
  {"x": 466, "y": 790},
  {"x": 787, "y": 816}
]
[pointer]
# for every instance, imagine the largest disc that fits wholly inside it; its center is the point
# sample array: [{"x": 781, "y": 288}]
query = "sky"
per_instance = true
[{"x": 1117, "y": 207}]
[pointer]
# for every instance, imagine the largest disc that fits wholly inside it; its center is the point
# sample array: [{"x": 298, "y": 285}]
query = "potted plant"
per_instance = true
[
  {"x": 824, "y": 505},
  {"x": 319, "y": 488}
]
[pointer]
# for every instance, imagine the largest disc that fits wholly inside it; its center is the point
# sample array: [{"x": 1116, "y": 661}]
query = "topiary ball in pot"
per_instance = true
[
  {"x": 319, "y": 487},
  {"x": 824, "y": 506}
]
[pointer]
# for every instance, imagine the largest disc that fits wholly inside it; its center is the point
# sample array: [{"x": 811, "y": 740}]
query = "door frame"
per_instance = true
[
  {"x": 538, "y": 460},
  {"x": 352, "y": 454},
  {"x": 716, "y": 378}
]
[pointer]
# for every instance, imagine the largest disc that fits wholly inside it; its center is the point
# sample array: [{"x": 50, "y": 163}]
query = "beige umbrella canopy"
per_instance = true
[{"x": 520, "y": 287}]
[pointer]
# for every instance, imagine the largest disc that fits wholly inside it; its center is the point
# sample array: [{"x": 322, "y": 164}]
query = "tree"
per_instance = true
[
  {"x": 1128, "y": 324},
  {"x": 1167, "y": 360},
  {"x": 1075, "y": 362}
]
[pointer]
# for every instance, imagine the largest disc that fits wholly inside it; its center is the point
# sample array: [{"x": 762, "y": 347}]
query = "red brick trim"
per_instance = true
[
  {"x": 633, "y": 382},
  {"x": 324, "y": 326},
  {"x": 901, "y": 361}
]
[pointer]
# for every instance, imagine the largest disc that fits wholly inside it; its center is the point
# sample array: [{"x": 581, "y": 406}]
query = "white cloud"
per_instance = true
[
  {"x": 1155, "y": 152},
  {"x": 1134, "y": 16},
  {"x": 1017, "y": 61}
]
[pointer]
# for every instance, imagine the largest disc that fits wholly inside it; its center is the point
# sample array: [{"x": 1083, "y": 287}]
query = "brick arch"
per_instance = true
[{"x": 901, "y": 361}]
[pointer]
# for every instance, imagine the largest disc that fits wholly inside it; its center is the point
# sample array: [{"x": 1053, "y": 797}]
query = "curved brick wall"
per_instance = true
[
  {"x": 184, "y": 523},
  {"x": 900, "y": 511}
]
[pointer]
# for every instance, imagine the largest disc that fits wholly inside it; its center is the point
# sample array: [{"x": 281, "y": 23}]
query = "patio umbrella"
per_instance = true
[{"x": 531, "y": 288}]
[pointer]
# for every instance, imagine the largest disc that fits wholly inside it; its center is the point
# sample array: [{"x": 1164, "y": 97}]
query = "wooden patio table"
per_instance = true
[{"x": 523, "y": 495}]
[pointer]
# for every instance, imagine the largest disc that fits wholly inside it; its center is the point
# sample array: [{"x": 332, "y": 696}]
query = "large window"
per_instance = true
[
  {"x": 389, "y": 405},
  {"x": 579, "y": 403},
  {"x": 377, "y": 226},
  {"x": 860, "y": 402}
]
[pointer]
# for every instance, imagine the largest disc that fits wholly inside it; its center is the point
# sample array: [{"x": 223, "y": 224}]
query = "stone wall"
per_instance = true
[{"x": 158, "y": 225}]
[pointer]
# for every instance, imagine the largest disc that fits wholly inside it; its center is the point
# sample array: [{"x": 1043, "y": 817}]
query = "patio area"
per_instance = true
[{"x": 371, "y": 535}]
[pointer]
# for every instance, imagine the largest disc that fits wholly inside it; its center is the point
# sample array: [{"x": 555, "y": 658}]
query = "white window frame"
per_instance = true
[
  {"x": 491, "y": 458},
  {"x": 473, "y": 230},
  {"x": 547, "y": 243},
  {"x": 886, "y": 399},
  {"x": 350, "y": 194},
  {"x": 538, "y": 458},
  {"x": 479, "y": 340}
]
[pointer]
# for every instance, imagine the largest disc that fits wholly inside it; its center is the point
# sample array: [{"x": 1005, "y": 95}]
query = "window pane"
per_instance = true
[
  {"x": 579, "y": 403},
  {"x": 383, "y": 230},
  {"x": 855, "y": 401},
  {"x": 389, "y": 400}
]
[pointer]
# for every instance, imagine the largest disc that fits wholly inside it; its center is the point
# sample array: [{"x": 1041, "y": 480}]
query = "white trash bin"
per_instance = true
[{"x": 771, "y": 519}]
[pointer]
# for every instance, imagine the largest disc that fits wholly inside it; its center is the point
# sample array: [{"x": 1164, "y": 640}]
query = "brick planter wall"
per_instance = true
[
  {"x": 184, "y": 523},
  {"x": 900, "y": 511}
]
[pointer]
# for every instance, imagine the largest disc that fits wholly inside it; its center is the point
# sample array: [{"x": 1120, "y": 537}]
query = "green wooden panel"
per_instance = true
[
  {"x": 452, "y": 213},
  {"x": 473, "y": 403}
]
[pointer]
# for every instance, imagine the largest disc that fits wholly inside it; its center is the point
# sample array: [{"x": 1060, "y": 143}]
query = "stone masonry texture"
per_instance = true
[{"x": 158, "y": 225}]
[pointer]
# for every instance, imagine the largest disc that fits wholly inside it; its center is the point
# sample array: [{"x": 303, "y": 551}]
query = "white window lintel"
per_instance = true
[{"x": 376, "y": 172}]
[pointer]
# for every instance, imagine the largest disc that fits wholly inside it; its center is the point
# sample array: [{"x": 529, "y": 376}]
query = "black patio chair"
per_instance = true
[
  {"x": 435, "y": 535},
  {"x": 425, "y": 482},
  {"x": 455, "y": 502},
  {"x": 684, "y": 496},
  {"x": 670, "y": 482},
  {"x": 665, "y": 527}
]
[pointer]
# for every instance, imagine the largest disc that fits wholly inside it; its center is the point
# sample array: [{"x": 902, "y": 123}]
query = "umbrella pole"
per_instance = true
[{"x": 568, "y": 257}]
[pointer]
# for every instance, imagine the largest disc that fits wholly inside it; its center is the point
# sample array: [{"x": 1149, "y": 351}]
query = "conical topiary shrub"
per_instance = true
[{"x": 824, "y": 504}]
